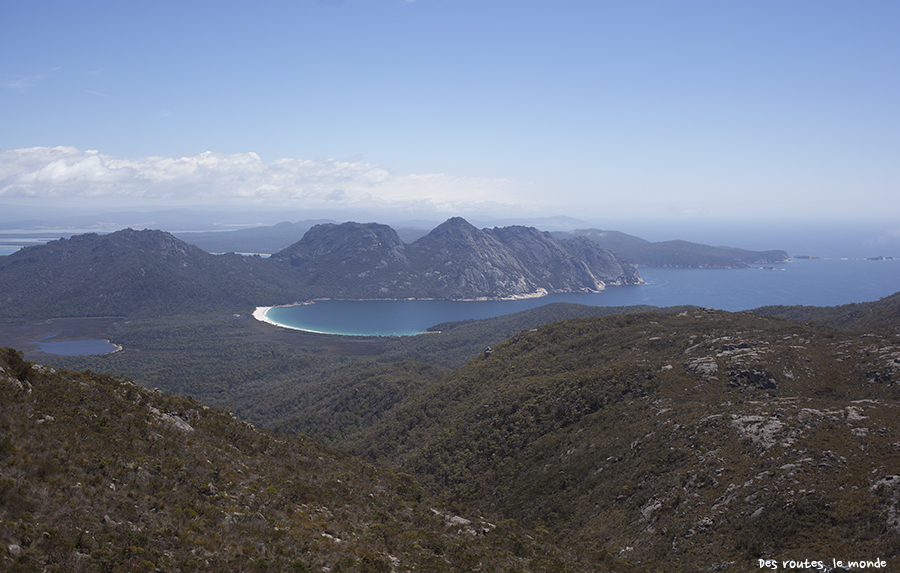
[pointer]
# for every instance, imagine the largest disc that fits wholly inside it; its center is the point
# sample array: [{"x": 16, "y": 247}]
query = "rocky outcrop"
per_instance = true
[
  {"x": 454, "y": 261},
  {"x": 602, "y": 261},
  {"x": 133, "y": 272},
  {"x": 462, "y": 261},
  {"x": 350, "y": 259}
]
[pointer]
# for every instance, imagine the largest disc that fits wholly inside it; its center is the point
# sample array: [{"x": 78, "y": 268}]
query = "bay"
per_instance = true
[{"x": 812, "y": 282}]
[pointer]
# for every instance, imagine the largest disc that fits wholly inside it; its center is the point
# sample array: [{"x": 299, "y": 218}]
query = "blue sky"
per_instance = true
[{"x": 687, "y": 111}]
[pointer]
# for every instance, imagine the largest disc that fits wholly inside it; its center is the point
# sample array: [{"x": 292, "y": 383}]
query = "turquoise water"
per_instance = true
[{"x": 821, "y": 282}]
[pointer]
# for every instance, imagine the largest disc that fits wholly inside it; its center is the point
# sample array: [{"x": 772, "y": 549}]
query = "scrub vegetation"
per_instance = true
[
  {"x": 563, "y": 438},
  {"x": 100, "y": 474},
  {"x": 660, "y": 439}
]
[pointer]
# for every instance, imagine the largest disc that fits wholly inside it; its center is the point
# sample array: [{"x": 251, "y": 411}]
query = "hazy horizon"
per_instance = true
[{"x": 827, "y": 238}]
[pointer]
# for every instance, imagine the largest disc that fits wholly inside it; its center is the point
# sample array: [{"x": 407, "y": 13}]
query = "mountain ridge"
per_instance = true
[
  {"x": 455, "y": 260},
  {"x": 152, "y": 272},
  {"x": 127, "y": 272},
  {"x": 675, "y": 253}
]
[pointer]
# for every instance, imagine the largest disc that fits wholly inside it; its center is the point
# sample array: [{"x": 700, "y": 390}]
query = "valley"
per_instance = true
[
  {"x": 688, "y": 436},
  {"x": 565, "y": 437}
]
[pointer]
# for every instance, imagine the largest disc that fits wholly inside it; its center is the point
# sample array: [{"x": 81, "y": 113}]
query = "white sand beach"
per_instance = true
[{"x": 260, "y": 315}]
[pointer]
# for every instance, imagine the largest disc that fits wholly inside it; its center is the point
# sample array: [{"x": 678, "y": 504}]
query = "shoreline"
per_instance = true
[
  {"x": 260, "y": 313},
  {"x": 537, "y": 294},
  {"x": 116, "y": 347}
]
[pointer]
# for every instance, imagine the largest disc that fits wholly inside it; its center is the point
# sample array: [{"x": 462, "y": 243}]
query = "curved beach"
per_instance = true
[{"x": 260, "y": 314}]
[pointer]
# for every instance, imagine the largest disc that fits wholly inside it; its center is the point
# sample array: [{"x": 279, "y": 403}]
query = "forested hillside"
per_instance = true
[
  {"x": 699, "y": 439},
  {"x": 695, "y": 438},
  {"x": 675, "y": 253},
  {"x": 879, "y": 314},
  {"x": 129, "y": 273},
  {"x": 100, "y": 474}
]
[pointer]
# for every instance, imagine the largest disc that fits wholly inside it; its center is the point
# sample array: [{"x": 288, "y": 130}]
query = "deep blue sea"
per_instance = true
[{"x": 816, "y": 282}]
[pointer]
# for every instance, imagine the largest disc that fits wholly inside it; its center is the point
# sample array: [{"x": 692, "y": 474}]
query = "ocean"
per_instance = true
[{"x": 812, "y": 282}]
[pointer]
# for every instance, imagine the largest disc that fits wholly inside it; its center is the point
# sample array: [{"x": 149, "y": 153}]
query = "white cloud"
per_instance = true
[
  {"x": 66, "y": 175},
  {"x": 23, "y": 84}
]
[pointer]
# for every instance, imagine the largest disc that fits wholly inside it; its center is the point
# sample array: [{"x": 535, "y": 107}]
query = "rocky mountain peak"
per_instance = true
[
  {"x": 366, "y": 246},
  {"x": 454, "y": 231},
  {"x": 455, "y": 260}
]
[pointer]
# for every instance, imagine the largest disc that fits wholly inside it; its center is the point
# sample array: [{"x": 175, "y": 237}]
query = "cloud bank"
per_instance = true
[{"x": 66, "y": 175}]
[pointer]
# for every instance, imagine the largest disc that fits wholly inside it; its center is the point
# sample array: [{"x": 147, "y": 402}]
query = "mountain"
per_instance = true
[
  {"x": 519, "y": 259},
  {"x": 677, "y": 253},
  {"x": 350, "y": 260},
  {"x": 100, "y": 474},
  {"x": 125, "y": 273},
  {"x": 269, "y": 239},
  {"x": 629, "y": 247},
  {"x": 151, "y": 272},
  {"x": 454, "y": 261}
]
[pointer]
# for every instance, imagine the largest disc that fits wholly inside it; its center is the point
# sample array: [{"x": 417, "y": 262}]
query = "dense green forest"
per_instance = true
[{"x": 234, "y": 360}]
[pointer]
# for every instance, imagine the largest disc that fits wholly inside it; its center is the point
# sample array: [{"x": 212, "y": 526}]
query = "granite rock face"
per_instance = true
[
  {"x": 454, "y": 261},
  {"x": 351, "y": 259}
]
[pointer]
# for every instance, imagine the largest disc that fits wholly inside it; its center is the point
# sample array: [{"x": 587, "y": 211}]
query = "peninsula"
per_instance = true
[{"x": 134, "y": 273}]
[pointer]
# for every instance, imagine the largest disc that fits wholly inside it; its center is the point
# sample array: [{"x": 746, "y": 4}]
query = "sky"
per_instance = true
[{"x": 686, "y": 111}]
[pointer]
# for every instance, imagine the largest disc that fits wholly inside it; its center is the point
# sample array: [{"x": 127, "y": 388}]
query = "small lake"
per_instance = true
[
  {"x": 813, "y": 282},
  {"x": 76, "y": 347}
]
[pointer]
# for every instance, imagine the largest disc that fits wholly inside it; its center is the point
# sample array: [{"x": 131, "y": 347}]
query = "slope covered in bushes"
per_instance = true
[{"x": 100, "y": 474}]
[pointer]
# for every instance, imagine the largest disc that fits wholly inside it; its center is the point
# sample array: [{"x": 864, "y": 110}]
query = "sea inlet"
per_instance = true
[{"x": 812, "y": 282}]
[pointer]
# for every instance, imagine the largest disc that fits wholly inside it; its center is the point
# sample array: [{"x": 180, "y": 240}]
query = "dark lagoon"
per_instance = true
[
  {"x": 813, "y": 282},
  {"x": 76, "y": 347}
]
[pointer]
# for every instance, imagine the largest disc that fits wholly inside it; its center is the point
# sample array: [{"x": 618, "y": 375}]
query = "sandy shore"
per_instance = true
[
  {"x": 260, "y": 315},
  {"x": 119, "y": 347}
]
